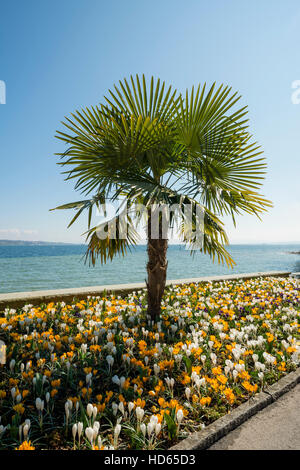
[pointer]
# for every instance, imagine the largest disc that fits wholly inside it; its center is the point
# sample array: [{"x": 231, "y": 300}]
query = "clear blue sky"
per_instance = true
[{"x": 57, "y": 56}]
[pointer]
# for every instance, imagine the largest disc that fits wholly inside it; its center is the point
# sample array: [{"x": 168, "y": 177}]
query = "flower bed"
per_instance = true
[{"x": 96, "y": 375}]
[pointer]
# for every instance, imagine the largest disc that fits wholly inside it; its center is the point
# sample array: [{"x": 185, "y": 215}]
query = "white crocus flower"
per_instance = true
[
  {"x": 26, "y": 430},
  {"x": 79, "y": 430},
  {"x": 110, "y": 360},
  {"x": 139, "y": 413},
  {"x": 130, "y": 407},
  {"x": 157, "y": 429},
  {"x": 89, "y": 432},
  {"x": 179, "y": 416},
  {"x": 89, "y": 410},
  {"x": 117, "y": 431},
  {"x": 143, "y": 429}
]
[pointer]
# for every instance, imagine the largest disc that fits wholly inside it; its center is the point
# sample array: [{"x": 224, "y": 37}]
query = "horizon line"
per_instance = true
[{"x": 144, "y": 242}]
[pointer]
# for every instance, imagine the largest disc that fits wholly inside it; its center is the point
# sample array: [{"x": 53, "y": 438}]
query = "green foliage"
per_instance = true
[
  {"x": 171, "y": 425},
  {"x": 188, "y": 364},
  {"x": 152, "y": 145}
]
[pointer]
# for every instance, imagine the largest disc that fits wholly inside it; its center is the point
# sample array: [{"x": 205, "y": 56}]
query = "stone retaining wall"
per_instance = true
[{"x": 18, "y": 299}]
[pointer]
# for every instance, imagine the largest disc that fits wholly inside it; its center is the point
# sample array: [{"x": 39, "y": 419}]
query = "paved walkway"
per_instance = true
[{"x": 277, "y": 427}]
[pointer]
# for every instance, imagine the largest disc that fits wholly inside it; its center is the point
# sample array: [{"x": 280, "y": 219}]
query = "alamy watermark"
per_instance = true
[
  {"x": 189, "y": 219},
  {"x": 2, "y": 92}
]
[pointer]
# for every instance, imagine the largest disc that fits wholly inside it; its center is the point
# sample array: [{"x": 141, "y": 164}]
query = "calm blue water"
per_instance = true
[{"x": 26, "y": 268}]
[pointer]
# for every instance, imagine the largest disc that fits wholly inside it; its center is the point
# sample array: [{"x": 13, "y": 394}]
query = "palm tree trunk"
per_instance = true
[{"x": 157, "y": 271}]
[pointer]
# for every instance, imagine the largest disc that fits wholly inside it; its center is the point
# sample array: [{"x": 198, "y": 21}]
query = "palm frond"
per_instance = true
[
  {"x": 111, "y": 238},
  {"x": 87, "y": 204}
]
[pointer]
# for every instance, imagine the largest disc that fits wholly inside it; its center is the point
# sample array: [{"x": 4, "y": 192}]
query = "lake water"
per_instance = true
[{"x": 37, "y": 267}]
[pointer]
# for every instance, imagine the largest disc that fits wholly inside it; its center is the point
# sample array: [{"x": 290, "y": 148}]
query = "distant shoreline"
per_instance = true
[
  {"x": 32, "y": 243},
  {"x": 144, "y": 243}
]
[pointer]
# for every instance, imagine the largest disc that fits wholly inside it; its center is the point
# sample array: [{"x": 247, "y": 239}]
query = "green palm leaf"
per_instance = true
[{"x": 150, "y": 145}]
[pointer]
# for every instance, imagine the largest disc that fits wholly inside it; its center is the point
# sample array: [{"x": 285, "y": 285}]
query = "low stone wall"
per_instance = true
[{"x": 19, "y": 299}]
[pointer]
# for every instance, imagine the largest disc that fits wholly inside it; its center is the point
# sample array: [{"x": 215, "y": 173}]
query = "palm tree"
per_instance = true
[{"x": 154, "y": 146}]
